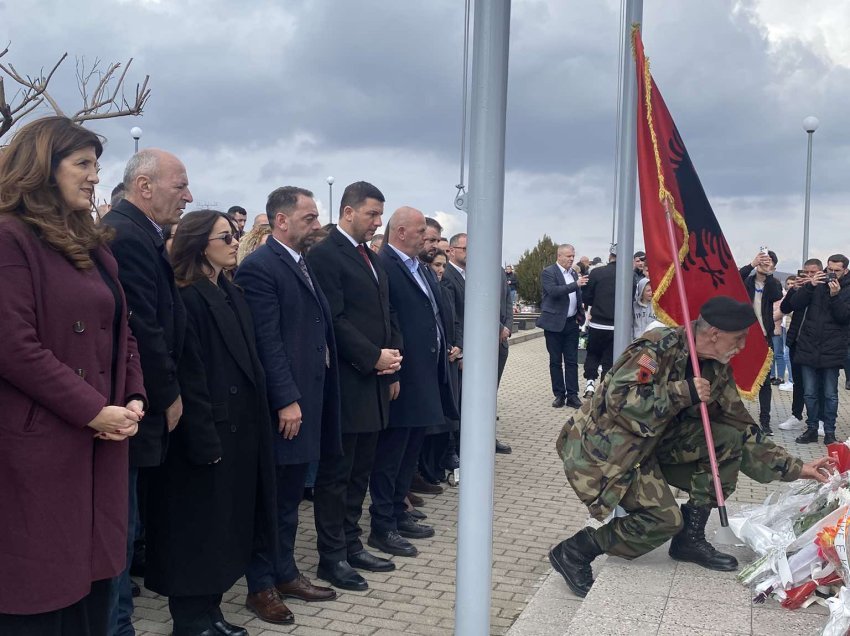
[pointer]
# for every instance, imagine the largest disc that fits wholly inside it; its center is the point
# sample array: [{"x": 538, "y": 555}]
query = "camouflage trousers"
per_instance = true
[{"x": 679, "y": 460}]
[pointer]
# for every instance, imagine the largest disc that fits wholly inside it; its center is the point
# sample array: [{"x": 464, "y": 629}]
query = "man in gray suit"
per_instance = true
[{"x": 561, "y": 316}]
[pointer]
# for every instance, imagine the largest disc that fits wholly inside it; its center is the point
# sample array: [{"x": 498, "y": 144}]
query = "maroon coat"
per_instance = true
[{"x": 63, "y": 494}]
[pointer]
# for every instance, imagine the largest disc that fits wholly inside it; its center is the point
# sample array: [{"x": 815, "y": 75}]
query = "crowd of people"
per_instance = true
[
  {"x": 176, "y": 384},
  {"x": 805, "y": 322}
]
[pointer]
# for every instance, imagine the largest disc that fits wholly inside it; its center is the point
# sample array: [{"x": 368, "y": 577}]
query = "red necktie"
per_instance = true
[{"x": 362, "y": 249}]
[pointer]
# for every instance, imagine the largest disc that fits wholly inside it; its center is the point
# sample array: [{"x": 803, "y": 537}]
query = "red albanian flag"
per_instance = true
[{"x": 668, "y": 179}]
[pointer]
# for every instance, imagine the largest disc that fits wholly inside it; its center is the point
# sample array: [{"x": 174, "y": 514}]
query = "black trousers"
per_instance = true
[
  {"x": 600, "y": 351},
  {"x": 765, "y": 395},
  {"x": 87, "y": 617},
  {"x": 432, "y": 456},
  {"x": 265, "y": 571},
  {"x": 341, "y": 484},
  {"x": 192, "y": 615},
  {"x": 563, "y": 359},
  {"x": 396, "y": 458}
]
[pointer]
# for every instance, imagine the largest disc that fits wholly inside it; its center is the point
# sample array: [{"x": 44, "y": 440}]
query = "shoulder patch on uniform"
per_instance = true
[{"x": 646, "y": 362}]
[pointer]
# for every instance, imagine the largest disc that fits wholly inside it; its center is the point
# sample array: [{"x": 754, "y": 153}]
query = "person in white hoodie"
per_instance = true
[{"x": 643, "y": 310}]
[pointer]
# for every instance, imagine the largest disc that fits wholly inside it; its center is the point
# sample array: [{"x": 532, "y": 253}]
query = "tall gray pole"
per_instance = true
[
  {"x": 483, "y": 293},
  {"x": 626, "y": 181},
  {"x": 810, "y": 125}
]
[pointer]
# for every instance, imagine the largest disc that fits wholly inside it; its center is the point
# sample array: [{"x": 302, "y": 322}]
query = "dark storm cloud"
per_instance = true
[{"x": 260, "y": 92}]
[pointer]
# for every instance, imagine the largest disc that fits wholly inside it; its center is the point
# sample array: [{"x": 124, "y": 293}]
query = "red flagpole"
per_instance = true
[{"x": 692, "y": 351}]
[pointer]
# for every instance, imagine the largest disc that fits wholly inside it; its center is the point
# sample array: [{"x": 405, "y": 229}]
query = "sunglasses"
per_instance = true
[{"x": 227, "y": 238}]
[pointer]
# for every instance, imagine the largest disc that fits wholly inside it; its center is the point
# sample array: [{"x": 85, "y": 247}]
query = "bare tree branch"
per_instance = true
[{"x": 102, "y": 92}]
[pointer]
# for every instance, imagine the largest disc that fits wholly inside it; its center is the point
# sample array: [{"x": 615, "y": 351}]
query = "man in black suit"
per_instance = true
[
  {"x": 295, "y": 343},
  {"x": 422, "y": 390},
  {"x": 156, "y": 192},
  {"x": 368, "y": 340},
  {"x": 561, "y": 316},
  {"x": 454, "y": 279}
]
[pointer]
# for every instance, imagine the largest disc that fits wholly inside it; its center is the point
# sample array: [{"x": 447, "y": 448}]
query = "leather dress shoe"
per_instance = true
[
  {"x": 209, "y": 631},
  {"x": 417, "y": 515},
  {"x": 504, "y": 449},
  {"x": 223, "y": 628},
  {"x": 341, "y": 575},
  {"x": 573, "y": 402},
  {"x": 365, "y": 560},
  {"x": 392, "y": 543},
  {"x": 558, "y": 402},
  {"x": 408, "y": 528},
  {"x": 309, "y": 493},
  {"x": 301, "y": 588},
  {"x": 415, "y": 500},
  {"x": 269, "y": 607},
  {"x": 421, "y": 486}
]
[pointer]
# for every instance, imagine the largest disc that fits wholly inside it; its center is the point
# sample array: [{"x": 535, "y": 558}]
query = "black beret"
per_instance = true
[{"x": 727, "y": 314}]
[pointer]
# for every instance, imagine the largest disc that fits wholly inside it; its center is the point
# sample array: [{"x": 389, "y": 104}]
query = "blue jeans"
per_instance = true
[
  {"x": 121, "y": 598},
  {"x": 780, "y": 357},
  {"x": 815, "y": 381}
]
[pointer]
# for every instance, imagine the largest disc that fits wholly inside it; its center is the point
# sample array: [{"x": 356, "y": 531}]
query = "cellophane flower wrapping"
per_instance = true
[{"x": 783, "y": 530}]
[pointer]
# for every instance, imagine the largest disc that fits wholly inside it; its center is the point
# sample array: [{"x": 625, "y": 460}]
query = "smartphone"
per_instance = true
[
  {"x": 801, "y": 273},
  {"x": 764, "y": 250}
]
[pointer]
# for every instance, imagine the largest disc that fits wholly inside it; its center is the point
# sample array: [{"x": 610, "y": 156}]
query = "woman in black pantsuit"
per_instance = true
[{"x": 213, "y": 500}]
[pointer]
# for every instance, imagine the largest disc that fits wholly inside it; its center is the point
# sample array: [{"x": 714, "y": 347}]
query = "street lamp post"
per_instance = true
[
  {"x": 330, "y": 199},
  {"x": 136, "y": 134},
  {"x": 810, "y": 125}
]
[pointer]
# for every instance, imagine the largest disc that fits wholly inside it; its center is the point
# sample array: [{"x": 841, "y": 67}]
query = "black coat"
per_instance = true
[
  {"x": 425, "y": 393},
  {"x": 822, "y": 339},
  {"x": 205, "y": 518},
  {"x": 455, "y": 284},
  {"x": 157, "y": 319},
  {"x": 599, "y": 293},
  {"x": 295, "y": 341},
  {"x": 770, "y": 294},
  {"x": 363, "y": 324}
]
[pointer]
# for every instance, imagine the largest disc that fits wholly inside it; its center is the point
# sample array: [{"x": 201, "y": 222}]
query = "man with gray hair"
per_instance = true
[
  {"x": 561, "y": 317},
  {"x": 156, "y": 192}
]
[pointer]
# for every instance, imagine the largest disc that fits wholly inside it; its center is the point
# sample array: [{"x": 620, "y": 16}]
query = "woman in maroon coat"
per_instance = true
[{"x": 70, "y": 388}]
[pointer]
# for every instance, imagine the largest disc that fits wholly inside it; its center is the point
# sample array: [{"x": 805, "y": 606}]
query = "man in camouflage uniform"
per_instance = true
[{"x": 642, "y": 432}]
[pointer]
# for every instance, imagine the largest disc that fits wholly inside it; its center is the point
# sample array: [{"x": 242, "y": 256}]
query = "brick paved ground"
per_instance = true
[{"x": 534, "y": 508}]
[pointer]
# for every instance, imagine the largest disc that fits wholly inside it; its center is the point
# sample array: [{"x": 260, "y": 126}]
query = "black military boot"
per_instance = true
[
  {"x": 572, "y": 557},
  {"x": 690, "y": 544}
]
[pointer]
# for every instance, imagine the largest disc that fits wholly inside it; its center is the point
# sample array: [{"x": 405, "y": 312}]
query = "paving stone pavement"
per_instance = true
[{"x": 534, "y": 508}]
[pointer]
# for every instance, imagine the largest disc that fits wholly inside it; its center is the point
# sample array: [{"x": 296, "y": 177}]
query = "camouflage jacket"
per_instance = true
[{"x": 644, "y": 394}]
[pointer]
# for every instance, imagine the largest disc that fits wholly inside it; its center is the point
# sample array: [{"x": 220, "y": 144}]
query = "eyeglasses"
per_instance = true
[{"x": 227, "y": 238}]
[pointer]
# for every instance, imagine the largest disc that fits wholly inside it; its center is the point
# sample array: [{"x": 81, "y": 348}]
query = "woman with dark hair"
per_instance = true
[
  {"x": 439, "y": 452},
  {"x": 213, "y": 499},
  {"x": 70, "y": 388}
]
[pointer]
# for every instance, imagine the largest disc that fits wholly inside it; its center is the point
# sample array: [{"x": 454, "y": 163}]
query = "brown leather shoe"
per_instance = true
[
  {"x": 421, "y": 486},
  {"x": 302, "y": 589},
  {"x": 415, "y": 500},
  {"x": 269, "y": 607}
]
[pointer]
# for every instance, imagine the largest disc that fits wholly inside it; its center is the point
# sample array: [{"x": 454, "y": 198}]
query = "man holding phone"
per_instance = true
[{"x": 821, "y": 345}]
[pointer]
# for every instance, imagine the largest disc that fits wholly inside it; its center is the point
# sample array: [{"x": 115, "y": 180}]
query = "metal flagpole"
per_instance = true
[
  {"x": 626, "y": 181},
  {"x": 810, "y": 125},
  {"x": 483, "y": 293}
]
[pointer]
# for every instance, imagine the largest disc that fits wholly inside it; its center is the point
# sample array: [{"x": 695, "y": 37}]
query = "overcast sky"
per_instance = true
[{"x": 257, "y": 94}]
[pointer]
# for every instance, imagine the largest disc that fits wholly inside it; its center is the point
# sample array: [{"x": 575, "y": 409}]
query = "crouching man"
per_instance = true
[{"x": 642, "y": 433}]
